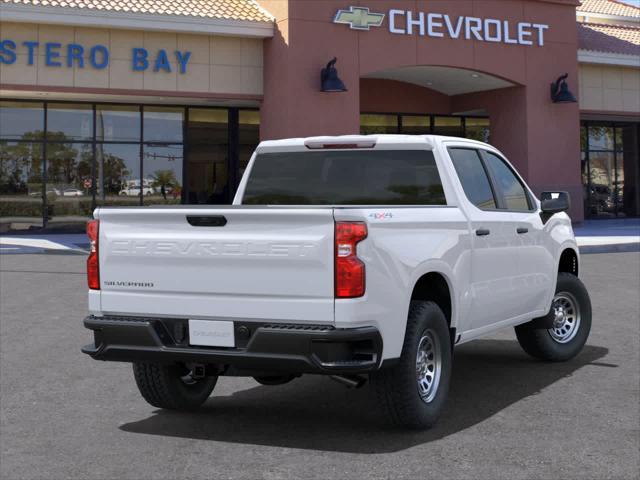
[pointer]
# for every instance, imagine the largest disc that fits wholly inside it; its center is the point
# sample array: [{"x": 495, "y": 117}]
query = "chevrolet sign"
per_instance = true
[
  {"x": 440, "y": 25},
  {"x": 359, "y": 18}
]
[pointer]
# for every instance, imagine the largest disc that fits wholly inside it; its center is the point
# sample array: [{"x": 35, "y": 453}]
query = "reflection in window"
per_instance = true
[
  {"x": 67, "y": 122},
  {"x": 510, "y": 188},
  {"x": 21, "y": 185},
  {"x": 118, "y": 123},
  {"x": 21, "y": 120},
  {"x": 207, "y": 156},
  {"x": 163, "y": 124},
  {"x": 473, "y": 177},
  {"x": 601, "y": 138},
  {"x": 69, "y": 181},
  {"x": 118, "y": 174},
  {"x": 162, "y": 169},
  {"x": 602, "y": 201},
  {"x": 374, "y": 123}
]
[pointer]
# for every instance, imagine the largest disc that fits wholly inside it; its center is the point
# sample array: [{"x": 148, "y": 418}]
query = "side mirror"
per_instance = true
[{"x": 555, "y": 202}]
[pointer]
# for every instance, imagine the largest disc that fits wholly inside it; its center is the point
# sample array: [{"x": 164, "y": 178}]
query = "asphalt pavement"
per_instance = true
[{"x": 63, "y": 415}]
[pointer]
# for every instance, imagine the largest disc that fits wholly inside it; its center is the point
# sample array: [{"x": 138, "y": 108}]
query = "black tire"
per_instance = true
[
  {"x": 170, "y": 387},
  {"x": 274, "y": 379},
  {"x": 397, "y": 387},
  {"x": 541, "y": 343}
]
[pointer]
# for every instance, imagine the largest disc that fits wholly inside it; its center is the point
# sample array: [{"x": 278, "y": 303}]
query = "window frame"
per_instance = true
[
  {"x": 501, "y": 202},
  {"x": 242, "y": 188},
  {"x": 486, "y": 172}
]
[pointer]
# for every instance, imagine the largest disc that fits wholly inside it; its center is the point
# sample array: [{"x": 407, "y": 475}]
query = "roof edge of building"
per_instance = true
[
  {"x": 608, "y": 58},
  {"x": 135, "y": 21}
]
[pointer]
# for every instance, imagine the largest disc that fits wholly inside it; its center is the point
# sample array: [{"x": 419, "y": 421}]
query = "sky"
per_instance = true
[{"x": 635, "y": 3}]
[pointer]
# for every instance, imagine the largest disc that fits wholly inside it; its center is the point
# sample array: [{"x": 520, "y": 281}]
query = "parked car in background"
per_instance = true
[
  {"x": 135, "y": 191},
  {"x": 50, "y": 191},
  {"x": 72, "y": 192}
]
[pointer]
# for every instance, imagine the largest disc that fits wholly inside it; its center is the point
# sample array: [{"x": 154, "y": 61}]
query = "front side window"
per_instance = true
[
  {"x": 349, "y": 177},
  {"x": 473, "y": 177},
  {"x": 511, "y": 190}
]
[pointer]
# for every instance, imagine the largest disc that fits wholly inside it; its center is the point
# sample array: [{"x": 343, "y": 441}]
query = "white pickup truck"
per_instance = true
[{"x": 358, "y": 257}]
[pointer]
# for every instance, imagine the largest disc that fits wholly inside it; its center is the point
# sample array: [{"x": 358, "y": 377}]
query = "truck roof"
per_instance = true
[{"x": 370, "y": 141}]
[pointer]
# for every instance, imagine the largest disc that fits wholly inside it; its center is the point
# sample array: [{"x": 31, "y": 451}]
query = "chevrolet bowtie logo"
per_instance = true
[{"x": 359, "y": 18}]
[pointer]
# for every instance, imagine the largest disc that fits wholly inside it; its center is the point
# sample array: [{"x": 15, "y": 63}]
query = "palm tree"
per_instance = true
[{"x": 164, "y": 179}]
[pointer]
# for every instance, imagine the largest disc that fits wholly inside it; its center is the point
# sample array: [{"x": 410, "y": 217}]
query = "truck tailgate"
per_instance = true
[{"x": 263, "y": 264}]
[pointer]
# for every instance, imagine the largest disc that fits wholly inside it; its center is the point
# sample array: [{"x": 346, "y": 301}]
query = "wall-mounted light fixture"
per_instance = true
[
  {"x": 329, "y": 80},
  {"x": 560, "y": 92}
]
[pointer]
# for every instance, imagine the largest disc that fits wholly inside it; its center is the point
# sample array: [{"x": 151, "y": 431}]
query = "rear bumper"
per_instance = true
[{"x": 259, "y": 347}]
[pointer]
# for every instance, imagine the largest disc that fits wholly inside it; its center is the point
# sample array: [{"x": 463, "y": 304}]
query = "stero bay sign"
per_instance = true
[
  {"x": 96, "y": 56},
  {"x": 442, "y": 25}
]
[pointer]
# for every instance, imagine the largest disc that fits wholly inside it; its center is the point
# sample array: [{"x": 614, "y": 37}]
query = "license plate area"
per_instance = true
[{"x": 211, "y": 333}]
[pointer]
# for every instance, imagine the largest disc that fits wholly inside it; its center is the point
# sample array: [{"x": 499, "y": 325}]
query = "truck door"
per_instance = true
[
  {"x": 535, "y": 260},
  {"x": 496, "y": 283}
]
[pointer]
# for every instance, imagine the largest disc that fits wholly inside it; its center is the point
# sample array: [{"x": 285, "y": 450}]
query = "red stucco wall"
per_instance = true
[{"x": 540, "y": 137}]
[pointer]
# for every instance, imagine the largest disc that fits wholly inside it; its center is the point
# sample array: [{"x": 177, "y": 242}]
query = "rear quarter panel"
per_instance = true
[{"x": 403, "y": 245}]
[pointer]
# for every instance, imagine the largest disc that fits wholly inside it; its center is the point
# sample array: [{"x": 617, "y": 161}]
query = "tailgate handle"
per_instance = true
[{"x": 206, "y": 220}]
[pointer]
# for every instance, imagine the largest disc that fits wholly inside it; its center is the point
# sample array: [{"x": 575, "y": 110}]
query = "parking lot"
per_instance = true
[{"x": 64, "y": 415}]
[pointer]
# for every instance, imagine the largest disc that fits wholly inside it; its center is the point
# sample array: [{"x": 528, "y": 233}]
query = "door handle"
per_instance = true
[
  {"x": 206, "y": 221},
  {"x": 483, "y": 232},
  {"x": 522, "y": 230}
]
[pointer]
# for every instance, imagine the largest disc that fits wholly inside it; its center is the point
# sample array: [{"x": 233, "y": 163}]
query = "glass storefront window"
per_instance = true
[
  {"x": 118, "y": 174},
  {"x": 611, "y": 169},
  {"x": 374, "y": 123},
  {"x": 163, "y": 124},
  {"x": 601, "y": 138},
  {"x": 449, "y": 126},
  {"x": 109, "y": 154},
  {"x": 207, "y": 175},
  {"x": 477, "y": 129},
  {"x": 602, "y": 184},
  {"x": 69, "y": 198},
  {"x": 162, "y": 174},
  {"x": 67, "y": 122},
  {"x": 21, "y": 120},
  {"x": 118, "y": 123},
  {"x": 21, "y": 185},
  {"x": 416, "y": 124}
]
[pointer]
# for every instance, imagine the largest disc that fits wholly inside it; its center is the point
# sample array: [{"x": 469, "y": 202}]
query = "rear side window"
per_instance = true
[
  {"x": 510, "y": 189},
  {"x": 473, "y": 177},
  {"x": 347, "y": 177}
]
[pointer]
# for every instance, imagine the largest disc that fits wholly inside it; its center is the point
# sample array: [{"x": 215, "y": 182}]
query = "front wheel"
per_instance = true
[
  {"x": 172, "y": 386},
  {"x": 413, "y": 392},
  {"x": 570, "y": 315}
]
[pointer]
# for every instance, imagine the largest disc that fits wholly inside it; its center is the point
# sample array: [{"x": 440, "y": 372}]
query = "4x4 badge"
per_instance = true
[{"x": 359, "y": 18}]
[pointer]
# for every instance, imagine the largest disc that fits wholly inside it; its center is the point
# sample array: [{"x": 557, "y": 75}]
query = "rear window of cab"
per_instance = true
[{"x": 345, "y": 177}]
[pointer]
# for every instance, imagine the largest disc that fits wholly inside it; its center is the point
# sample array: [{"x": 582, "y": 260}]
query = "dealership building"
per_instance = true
[{"x": 136, "y": 102}]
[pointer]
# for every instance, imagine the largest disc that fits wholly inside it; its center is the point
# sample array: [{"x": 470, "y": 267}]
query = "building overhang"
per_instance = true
[
  {"x": 135, "y": 21},
  {"x": 608, "y": 58}
]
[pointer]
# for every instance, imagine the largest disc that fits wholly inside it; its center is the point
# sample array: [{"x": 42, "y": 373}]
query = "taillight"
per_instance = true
[
  {"x": 350, "y": 273},
  {"x": 93, "y": 267}
]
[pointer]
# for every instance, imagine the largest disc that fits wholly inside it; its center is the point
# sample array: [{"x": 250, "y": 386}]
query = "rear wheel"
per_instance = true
[
  {"x": 570, "y": 316},
  {"x": 172, "y": 386},
  {"x": 413, "y": 392}
]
